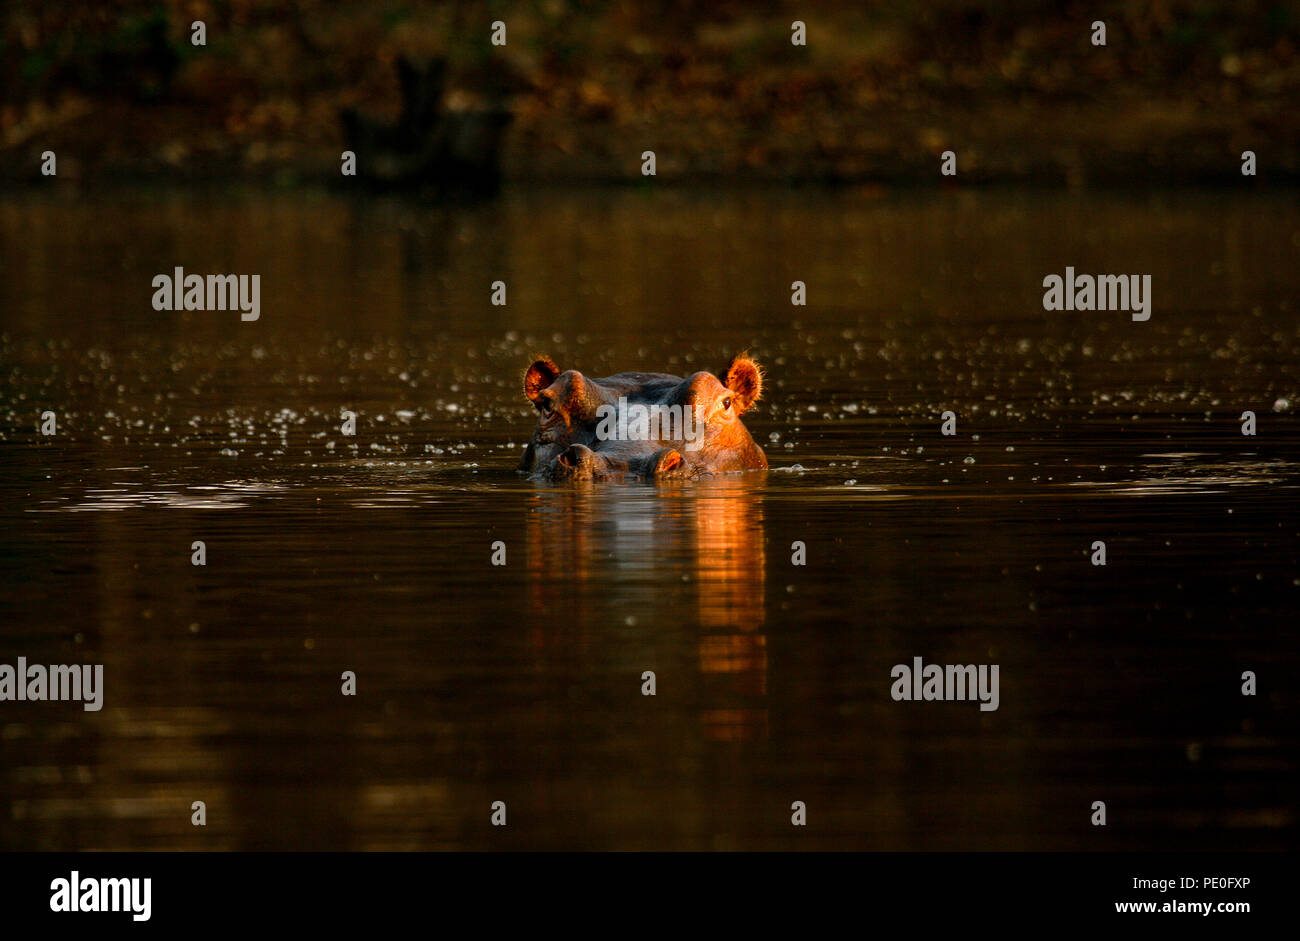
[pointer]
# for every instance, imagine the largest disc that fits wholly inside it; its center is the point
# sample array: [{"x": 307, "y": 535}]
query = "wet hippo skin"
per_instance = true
[{"x": 635, "y": 424}]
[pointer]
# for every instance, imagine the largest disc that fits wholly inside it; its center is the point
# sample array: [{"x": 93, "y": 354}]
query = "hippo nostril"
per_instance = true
[
  {"x": 576, "y": 461},
  {"x": 666, "y": 461},
  {"x": 575, "y": 456}
]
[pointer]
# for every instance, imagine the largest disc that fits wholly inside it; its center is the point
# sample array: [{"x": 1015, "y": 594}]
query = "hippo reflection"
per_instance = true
[
  {"x": 691, "y": 556},
  {"x": 638, "y": 424}
]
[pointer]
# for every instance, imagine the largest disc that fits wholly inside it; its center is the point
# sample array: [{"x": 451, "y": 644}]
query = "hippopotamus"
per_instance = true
[{"x": 641, "y": 424}]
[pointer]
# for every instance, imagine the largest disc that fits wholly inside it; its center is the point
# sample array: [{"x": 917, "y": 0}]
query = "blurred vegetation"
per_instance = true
[{"x": 713, "y": 86}]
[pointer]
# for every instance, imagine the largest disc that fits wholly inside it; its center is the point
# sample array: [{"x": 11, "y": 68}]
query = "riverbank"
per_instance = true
[{"x": 1017, "y": 95}]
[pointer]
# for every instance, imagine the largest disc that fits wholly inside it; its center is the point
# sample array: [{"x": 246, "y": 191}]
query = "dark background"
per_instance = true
[{"x": 1015, "y": 88}]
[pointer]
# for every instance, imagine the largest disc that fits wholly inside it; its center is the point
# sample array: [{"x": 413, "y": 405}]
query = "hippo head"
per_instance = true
[{"x": 639, "y": 424}]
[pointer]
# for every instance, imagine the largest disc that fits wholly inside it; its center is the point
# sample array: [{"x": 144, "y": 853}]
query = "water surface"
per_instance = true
[{"x": 522, "y": 683}]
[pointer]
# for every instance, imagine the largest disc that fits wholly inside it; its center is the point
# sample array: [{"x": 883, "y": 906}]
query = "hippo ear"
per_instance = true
[
  {"x": 540, "y": 375},
  {"x": 744, "y": 378}
]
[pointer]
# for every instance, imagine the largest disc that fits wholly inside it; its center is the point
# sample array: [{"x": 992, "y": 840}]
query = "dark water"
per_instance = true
[{"x": 522, "y": 683}]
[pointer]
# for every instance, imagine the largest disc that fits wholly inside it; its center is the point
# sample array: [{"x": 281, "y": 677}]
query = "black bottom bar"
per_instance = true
[{"x": 330, "y": 890}]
